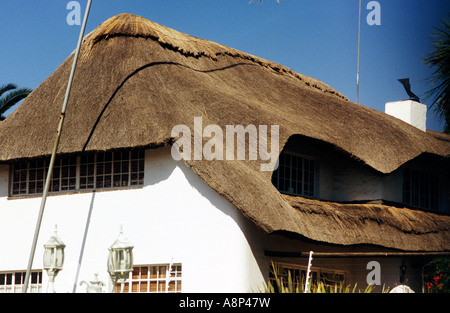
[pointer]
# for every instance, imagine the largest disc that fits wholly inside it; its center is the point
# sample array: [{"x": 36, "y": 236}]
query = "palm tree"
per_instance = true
[
  {"x": 10, "y": 96},
  {"x": 439, "y": 59}
]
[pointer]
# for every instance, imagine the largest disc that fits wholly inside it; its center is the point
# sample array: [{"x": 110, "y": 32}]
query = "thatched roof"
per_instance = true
[
  {"x": 380, "y": 224},
  {"x": 136, "y": 79}
]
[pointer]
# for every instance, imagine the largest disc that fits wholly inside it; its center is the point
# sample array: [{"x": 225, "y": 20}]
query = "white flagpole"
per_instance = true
[
  {"x": 55, "y": 147},
  {"x": 359, "y": 40}
]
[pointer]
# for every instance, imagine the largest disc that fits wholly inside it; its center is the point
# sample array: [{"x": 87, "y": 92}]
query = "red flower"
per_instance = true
[
  {"x": 436, "y": 283},
  {"x": 437, "y": 278}
]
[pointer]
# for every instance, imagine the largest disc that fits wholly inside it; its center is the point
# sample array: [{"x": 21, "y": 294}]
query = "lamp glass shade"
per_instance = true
[
  {"x": 120, "y": 258},
  {"x": 54, "y": 253}
]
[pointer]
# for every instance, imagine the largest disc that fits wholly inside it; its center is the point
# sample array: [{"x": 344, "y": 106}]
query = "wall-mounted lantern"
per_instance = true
[
  {"x": 120, "y": 260},
  {"x": 53, "y": 259}
]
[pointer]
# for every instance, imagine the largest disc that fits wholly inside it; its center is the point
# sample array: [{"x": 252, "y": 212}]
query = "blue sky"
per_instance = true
[{"x": 317, "y": 38}]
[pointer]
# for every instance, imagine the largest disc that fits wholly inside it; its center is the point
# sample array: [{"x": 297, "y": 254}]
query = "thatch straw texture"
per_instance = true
[
  {"x": 380, "y": 224},
  {"x": 136, "y": 79}
]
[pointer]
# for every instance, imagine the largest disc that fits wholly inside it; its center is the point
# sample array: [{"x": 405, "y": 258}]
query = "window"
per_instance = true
[
  {"x": 295, "y": 175},
  {"x": 12, "y": 282},
  {"x": 420, "y": 189},
  {"x": 73, "y": 173},
  {"x": 153, "y": 279},
  {"x": 112, "y": 169},
  {"x": 328, "y": 277},
  {"x": 63, "y": 176}
]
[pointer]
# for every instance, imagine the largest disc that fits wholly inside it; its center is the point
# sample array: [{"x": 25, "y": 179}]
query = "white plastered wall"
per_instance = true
[{"x": 175, "y": 217}]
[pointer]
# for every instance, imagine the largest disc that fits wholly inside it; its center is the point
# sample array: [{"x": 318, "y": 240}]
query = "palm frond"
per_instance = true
[
  {"x": 10, "y": 99},
  {"x": 439, "y": 61},
  {"x": 6, "y": 88}
]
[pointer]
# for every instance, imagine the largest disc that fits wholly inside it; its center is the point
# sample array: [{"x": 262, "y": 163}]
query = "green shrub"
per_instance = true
[
  {"x": 437, "y": 276},
  {"x": 291, "y": 286}
]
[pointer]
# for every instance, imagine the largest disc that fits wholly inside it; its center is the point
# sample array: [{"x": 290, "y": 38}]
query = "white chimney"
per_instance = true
[{"x": 412, "y": 112}]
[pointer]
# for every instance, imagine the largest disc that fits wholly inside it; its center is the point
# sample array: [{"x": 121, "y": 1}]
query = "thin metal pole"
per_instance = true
[
  {"x": 55, "y": 147},
  {"x": 308, "y": 272},
  {"x": 359, "y": 41}
]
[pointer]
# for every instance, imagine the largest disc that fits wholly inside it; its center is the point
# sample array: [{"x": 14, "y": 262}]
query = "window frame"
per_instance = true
[
  {"x": 161, "y": 282},
  {"x": 9, "y": 278},
  {"x": 413, "y": 193},
  {"x": 72, "y": 165},
  {"x": 315, "y": 175}
]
